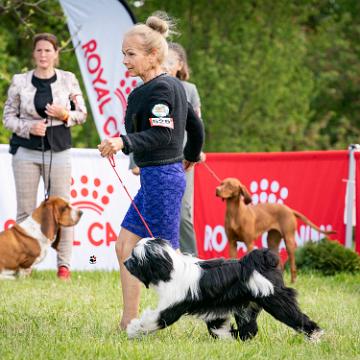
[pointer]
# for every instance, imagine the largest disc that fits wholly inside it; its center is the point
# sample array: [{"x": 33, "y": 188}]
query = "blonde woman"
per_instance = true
[
  {"x": 41, "y": 107},
  {"x": 156, "y": 119}
]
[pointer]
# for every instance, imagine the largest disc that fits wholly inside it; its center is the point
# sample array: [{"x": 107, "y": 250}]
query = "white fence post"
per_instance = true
[{"x": 350, "y": 192}]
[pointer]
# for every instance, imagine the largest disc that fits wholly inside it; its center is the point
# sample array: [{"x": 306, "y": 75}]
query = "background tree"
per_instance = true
[
  {"x": 333, "y": 31},
  {"x": 272, "y": 76},
  {"x": 19, "y": 21}
]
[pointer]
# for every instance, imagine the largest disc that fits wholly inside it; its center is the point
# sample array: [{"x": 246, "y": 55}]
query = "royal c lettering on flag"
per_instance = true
[{"x": 97, "y": 28}]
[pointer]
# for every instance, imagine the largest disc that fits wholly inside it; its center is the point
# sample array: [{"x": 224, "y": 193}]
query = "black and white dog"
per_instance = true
[{"x": 214, "y": 290}]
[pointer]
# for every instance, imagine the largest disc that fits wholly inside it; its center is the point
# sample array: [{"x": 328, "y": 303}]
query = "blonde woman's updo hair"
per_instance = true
[{"x": 154, "y": 32}]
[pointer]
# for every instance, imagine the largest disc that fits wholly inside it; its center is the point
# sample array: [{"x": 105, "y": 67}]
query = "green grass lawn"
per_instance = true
[{"x": 43, "y": 318}]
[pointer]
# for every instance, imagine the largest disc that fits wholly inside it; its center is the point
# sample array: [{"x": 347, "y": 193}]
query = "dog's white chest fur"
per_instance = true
[
  {"x": 33, "y": 228},
  {"x": 185, "y": 279}
]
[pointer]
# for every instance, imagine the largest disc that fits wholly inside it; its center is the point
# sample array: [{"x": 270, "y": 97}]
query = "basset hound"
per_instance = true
[{"x": 26, "y": 243}]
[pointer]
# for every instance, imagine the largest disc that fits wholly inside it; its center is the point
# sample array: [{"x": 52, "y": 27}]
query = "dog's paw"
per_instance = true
[
  {"x": 316, "y": 335},
  {"x": 22, "y": 273},
  {"x": 134, "y": 329},
  {"x": 8, "y": 275}
]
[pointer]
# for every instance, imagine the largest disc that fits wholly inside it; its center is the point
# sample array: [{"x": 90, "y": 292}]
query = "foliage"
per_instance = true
[
  {"x": 328, "y": 257},
  {"x": 20, "y": 20},
  {"x": 272, "y": 76},
  {"x": 6, "y": 60},
  {"x": 42, "y": 318},
  {"x": 334, "y": 49}
]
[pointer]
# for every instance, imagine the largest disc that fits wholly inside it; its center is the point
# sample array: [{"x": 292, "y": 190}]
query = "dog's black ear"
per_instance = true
[
  {"x": 137, "y": 270},
  {"x": 271, "y": 258},
  {"x": 245, "y": 193}
]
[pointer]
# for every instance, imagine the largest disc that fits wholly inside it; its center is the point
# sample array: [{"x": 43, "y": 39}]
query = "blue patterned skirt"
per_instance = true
[{"x": 159, "y": 202}]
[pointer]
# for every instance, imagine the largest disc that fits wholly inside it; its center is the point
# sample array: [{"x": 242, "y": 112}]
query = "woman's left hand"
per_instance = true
[
  {"x": 202, "y": 157},
  {"x": 188, "y": 165},
  {"x": 56, "y": 111},
  {"x": 110, "y": 146}
]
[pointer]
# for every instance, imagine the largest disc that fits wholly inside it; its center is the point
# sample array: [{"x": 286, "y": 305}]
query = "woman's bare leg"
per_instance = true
[{"x": 130, "y": 286}]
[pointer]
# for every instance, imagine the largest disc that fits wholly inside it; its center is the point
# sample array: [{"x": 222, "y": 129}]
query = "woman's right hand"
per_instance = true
[
  {"x": 38, "y": 128},
  {"x": 111, "y": 146}
]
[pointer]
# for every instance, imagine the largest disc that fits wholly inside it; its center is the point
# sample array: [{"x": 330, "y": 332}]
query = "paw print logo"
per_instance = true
[
  {"x": 123, "y": 90},
  {"x": 90, "y": 194},
  {"x": 92, "y": 259},
  {"x": 264, "y": 191}
]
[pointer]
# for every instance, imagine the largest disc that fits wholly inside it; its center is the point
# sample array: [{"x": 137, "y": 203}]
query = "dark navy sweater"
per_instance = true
[{"x": 156, "y": 119}]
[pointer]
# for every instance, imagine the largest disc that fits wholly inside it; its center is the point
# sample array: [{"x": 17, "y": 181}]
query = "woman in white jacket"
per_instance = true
[{"x": 41, "y": 107}]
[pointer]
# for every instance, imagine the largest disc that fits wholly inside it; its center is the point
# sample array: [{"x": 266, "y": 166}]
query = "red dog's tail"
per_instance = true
[{"x": 308, "y": 222}]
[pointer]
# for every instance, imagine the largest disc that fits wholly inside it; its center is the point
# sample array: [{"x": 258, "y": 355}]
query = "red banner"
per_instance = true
[{"x": 312, "y": 182}]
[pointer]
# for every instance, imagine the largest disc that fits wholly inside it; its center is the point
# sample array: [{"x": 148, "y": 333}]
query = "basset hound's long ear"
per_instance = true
[
  {"x": 55, "y": 244},
  {"x": 245, "y": 193},
  {"x": 48, "y": 221},
  {"x": 59, "y": 206}
]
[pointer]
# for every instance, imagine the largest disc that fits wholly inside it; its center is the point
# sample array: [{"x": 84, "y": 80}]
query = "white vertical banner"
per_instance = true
[
  {"x": 97, "y": 28},
  {"x": 96, "y": 190}
]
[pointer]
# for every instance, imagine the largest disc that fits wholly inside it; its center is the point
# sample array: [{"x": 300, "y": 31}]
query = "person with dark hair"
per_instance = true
[
  {"x": 176, "y": 65},
  {"x": 156, "y": 118},
  {"x": 41, "y": 106}
]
